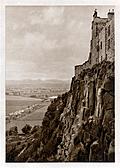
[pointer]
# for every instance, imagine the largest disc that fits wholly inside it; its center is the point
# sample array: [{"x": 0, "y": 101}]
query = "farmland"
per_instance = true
[
  {"x": 14, "y": 103},
  {"x": 34, "y": 118},
  {"x": 27, "y": 103}
]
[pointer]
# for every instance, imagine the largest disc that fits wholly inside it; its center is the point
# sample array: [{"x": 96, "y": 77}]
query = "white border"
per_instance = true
[
  {"x": 59, "y": 2},
  {"x": 2, "y": 83},
  {"x": 2, "y": 75}
]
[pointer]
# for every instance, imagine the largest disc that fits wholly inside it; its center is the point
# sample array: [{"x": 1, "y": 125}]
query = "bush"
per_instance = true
[
  {"x": 13, "y": 131},
  {"x": 26, "y": 129}
]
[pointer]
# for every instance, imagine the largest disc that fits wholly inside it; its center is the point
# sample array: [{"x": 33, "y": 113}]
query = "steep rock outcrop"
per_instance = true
[
  {"x": 83, "y": 130},
  {"x": 79, "y": 125}
]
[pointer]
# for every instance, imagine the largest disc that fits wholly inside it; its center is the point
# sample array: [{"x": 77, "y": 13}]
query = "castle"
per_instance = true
[{"x": 102, "y": 44}]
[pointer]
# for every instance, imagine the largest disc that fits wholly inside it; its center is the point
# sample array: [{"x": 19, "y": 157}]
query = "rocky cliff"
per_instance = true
[{"x": 78, "y": 126}]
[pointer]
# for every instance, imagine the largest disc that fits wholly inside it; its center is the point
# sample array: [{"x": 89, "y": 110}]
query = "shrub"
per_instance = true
[{"x": 26, "y": 129}]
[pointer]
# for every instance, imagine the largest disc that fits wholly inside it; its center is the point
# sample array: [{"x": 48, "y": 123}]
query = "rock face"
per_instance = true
[{"x": 79, "y": 125}]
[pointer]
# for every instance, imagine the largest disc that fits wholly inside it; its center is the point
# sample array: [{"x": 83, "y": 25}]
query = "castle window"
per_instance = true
[
  {"x": 105, "y": 32},
  {"x": 108, "y": 44},
  {"x": 97, "y": 48},
  {"x": 96, "y": 30},
  {"x": 101, "y": 44},
  {"x": 109, "y": 30},
  {"x": 101, "y": 58},
  {"x": 106, "y": 56}
]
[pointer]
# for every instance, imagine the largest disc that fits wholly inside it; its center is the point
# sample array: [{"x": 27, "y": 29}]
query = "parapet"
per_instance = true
[{"x": 80, "y": 68}]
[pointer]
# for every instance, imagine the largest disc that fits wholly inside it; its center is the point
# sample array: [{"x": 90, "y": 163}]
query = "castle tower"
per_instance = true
[
  {"x": 97, "y": 25},
  {"x": 102, "y": 45},
  {"x": 110, "y": 37},
  {"x": 102, "y": 42}
]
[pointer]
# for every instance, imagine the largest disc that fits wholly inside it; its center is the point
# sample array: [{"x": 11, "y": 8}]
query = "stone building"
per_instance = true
[{"x": 102, "y": 44}]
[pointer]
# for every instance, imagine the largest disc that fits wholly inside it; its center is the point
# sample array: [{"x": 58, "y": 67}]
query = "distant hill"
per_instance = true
[{"x": 65, "y": 84}]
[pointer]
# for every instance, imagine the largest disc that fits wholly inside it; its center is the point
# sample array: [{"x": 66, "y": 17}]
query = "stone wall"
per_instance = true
[
  {"x": 102, "y": 47},
  {"x": 80, "y": 68},
  {"x": 110, "y": 52},
  {"x": 97, "y": 25}
]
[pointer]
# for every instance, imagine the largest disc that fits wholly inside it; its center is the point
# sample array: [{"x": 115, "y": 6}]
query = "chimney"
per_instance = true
[
  {"x": 95, "y": 13},
  {"x": 110, "y": 14}
]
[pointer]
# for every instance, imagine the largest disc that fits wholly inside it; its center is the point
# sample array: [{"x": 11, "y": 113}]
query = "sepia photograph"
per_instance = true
[{"x": 59, "y": 90}]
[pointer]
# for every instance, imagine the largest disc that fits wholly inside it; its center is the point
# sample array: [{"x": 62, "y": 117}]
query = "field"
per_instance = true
[
  {"x": 34, "y": 118},
  {"x": 14, "y": 103}
]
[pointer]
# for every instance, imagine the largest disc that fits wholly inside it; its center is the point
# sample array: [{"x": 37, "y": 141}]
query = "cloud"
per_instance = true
[
  {"x": 46, "y": 42},
  {"x": 49, "y": 15},
  {"x": 39, "y": 41},
  {"x": 72, "y": 36},
  {"x": 43, "y": 44},
  {"x": 30, "y": 47}
]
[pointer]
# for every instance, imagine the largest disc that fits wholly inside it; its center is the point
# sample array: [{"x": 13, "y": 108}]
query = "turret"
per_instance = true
[
  {"x": 95, "y": 13},
  {"x": 110, "y": 14}
]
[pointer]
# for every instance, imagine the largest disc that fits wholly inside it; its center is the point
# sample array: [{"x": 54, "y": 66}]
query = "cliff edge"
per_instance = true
[{"x": 78, "y": 126}]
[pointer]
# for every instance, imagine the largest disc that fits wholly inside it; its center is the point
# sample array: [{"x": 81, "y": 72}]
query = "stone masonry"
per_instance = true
[{"x": 102, "y": 44}]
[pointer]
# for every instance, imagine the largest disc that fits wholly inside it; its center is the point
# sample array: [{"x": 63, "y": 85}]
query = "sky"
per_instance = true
[{"x": 46, "y": 42}]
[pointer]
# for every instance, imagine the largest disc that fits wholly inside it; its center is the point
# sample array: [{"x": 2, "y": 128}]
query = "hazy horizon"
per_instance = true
[
  {"x": 37, "y": 79},
  {"x": 45, "y": 43}
]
